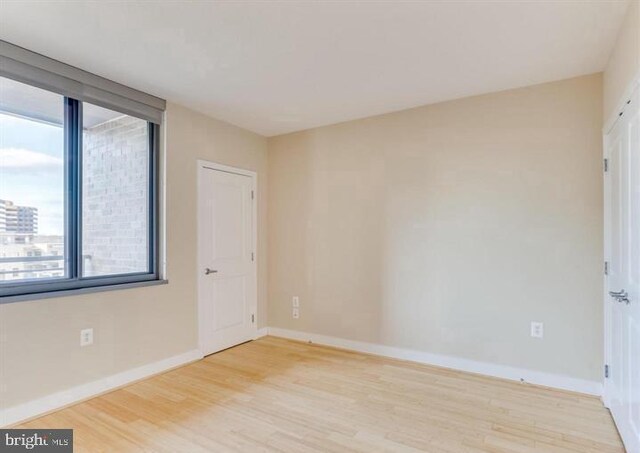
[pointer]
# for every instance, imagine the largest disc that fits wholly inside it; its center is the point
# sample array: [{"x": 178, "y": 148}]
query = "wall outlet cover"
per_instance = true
[
  {"x": 86, "y": 337},
  {"x": 537, "y": 329}
]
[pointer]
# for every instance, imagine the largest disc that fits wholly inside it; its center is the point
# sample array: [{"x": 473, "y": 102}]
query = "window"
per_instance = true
[
  {"x": 78, "y": 179},
  {"x": 115, "y": 193}
]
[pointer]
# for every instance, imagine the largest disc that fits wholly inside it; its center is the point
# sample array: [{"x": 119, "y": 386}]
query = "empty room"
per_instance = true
[{"x": 320, "y": 226}]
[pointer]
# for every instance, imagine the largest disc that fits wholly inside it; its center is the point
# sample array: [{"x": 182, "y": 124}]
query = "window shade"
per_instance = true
[{"x": 35, "y": 69}]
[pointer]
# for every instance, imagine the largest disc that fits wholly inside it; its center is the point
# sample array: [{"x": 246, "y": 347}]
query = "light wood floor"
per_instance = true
[{"x": 278, "y": 395}]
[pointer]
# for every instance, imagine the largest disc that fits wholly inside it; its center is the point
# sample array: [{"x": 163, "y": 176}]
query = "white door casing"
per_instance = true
[
  {"x": 227, "y": 271},
  {"x": 622, "y": 282}
]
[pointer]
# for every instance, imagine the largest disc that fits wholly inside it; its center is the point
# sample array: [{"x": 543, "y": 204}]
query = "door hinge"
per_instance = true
[
  {"x": 252, "y": 195},
  {"x": 606, "y": 268},
  {"x": 606, "y": 165},
  {"x": 253, "y": 318},
  {"x": 252, "y": 256},
  {"x": 606, "y": 371}
]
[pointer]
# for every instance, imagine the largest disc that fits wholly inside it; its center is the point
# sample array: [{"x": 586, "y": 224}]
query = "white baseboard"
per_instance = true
[
  {"x": 261, "y": 333},
  {"x": 471, "y": 366},
  {"x": 49, "y": 403}
]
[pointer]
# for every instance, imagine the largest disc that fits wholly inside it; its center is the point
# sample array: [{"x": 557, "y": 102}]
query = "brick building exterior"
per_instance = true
[{"x": 115, "y": 197}]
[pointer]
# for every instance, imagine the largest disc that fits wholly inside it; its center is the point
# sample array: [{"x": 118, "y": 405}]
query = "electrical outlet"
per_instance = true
[
  {"x": 86, "y": 337},
  {"x": 296, "y": 301},
  {"x": 537, "y": 329},
  {"x": 295, "y": 313}
]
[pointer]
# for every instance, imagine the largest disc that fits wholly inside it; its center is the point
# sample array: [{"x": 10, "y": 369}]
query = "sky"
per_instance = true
[{"x": 31, "y": 169}]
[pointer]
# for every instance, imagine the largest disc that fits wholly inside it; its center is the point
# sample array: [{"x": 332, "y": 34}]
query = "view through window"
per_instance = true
[
  {"x": 115, "y": 183},
  {"x": 32, "y": 244}
]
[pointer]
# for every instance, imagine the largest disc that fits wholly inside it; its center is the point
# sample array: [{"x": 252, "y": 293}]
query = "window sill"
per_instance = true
[{"x": 80, "y": 291}]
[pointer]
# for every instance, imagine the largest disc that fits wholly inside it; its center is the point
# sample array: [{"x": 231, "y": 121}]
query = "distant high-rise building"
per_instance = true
[
  {"x": 18, "y": 219},
  {"x": 27, "y": 220},
  {"x": 3, "y": 216}
]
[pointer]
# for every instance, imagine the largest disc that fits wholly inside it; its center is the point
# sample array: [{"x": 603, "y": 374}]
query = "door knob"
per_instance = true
[{"x": 208, "y": 271}]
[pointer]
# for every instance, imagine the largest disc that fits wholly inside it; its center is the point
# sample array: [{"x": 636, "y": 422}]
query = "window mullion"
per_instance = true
[
  {"x": 78, "y": 192},
  {"x": 153, "y": 197},
  {"x": 72, "y": 185}
]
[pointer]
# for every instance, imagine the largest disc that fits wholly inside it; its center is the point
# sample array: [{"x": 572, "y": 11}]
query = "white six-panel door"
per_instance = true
[
  {"x": 622, "y": 292},
  {"x": 226, "y": 257}
]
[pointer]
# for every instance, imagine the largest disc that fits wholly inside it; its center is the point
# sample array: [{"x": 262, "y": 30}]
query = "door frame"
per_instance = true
[
  {"x": 607, "y": 306},
  {"x": 205, "y": 165}
]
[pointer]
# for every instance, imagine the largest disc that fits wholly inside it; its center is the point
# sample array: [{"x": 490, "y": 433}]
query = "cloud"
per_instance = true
[{"x": 17, "y": 158}]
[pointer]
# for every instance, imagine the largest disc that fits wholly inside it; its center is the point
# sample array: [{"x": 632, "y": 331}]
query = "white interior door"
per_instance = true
[
  {"x": 227, "y": 267},
  {"x": 622, "y": 388}
]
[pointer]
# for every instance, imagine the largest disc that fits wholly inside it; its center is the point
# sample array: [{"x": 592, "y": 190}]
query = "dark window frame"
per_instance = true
[{"x": 73, "y": 279}]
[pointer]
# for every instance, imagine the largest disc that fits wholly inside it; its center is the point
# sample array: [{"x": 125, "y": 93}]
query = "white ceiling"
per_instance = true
[{"x": 276, "y": 67}]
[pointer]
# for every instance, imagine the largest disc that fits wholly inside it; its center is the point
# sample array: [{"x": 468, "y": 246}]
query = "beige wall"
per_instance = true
[
  {"x": 39, "y": 346},
  {"x": 448, "y": 228},
  {"x": 624, "y": 63}
]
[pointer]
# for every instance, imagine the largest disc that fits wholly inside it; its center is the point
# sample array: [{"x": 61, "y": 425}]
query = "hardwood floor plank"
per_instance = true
[{"x": 277, "y": 395}]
